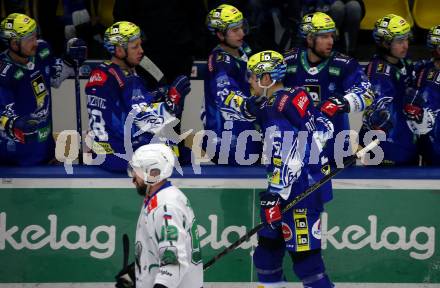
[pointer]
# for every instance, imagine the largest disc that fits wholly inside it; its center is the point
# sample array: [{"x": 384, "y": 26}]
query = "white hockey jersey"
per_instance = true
[{"x": 167, "y": 242}]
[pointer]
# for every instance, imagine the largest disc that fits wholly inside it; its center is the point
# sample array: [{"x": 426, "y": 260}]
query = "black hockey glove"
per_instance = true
[
  {"x": 380, "y": 120},
  {"x": 26, "y": 129},
  {"x": 252, "y": 105},
  {"x": 177, "y": 93},
  {"x": 335, "y": 105},
  {"x": 270, "y": 204},
  {"x": 126, "y": 277}
]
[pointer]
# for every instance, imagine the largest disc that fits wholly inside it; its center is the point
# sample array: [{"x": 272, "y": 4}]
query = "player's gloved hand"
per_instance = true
[
  {"x": 270, "y": 204},
  {"x": 76, "y": 52},
  {"x": 177, "y": 92},
  {"x": 413, "y": 112},
  {"x": 380, "y": 120},
  {"x": 24, "y": 129},
  {"x": 126, "y": 277},
  {"x": 335, "y": 105},
  {"x": 252, "y": 105}
]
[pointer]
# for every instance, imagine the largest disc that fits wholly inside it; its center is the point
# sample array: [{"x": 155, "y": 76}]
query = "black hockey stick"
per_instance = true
[
  {"x": 348, "y": 162},
  {"x": 78, "y": 112}
]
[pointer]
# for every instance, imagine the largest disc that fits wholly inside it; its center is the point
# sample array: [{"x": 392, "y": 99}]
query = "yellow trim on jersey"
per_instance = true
[{"x": 301, "y": 229}]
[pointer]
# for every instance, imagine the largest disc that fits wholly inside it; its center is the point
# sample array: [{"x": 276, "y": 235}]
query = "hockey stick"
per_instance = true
[
  {"x": 126, "y": 251},
  {"x": 348, "y": 162},
  {"x": 152, "y": 69},
  {"x": 78, "y": 112}
]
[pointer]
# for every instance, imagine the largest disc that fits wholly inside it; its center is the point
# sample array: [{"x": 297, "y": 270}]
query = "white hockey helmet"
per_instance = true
[{"x": 155, "y": 162}]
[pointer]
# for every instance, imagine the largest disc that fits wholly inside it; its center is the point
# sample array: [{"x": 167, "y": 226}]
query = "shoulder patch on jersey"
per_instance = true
[
  {"x": 291, "y": 54},
  {"x": 282, "y": 102},
  {"x": 335, "y": 71},
  {"x": 222, "y": 57},
  {"x": 292, "y": 68},
  {"x": 383, "y": 68},
  {"x": 18, "y": 74},
  {"x": 339, "y": 57},
  {"x": 44, "y": 53},
  {"x": 301, "y": 102},
  {"x": 97, "y": 78},
  {"x": 4, "y": 68}
]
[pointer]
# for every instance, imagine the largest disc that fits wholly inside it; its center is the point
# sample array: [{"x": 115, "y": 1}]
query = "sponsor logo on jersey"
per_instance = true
[
  {"x": 301, "y": 102},
  {"x": 40, "y": 90},
  {"x": 18, "y": 74},
  {"x": 44, "y": 53},
  {"x": 316, "y": 229},
  {"x": 282, "y": 102},
  {"x": 117, "y": 77},
  {"x": 4, "y": 67},
  {"x": 292, "y": 69},
  {"x": 335, "y": 71},
  {"x": 101, "y": 148},
  {"x": 287, "y": 232},
  {"x": 302, "y": 230},
  {"x": 97, "y": 78}
]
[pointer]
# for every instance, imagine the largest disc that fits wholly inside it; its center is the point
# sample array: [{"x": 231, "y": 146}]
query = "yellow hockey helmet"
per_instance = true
[
  {"x": 224, "y": 17},
  {"x": 17, "y": 26},
  {"x": 121, "y": 33},
  {"x": 433, "y": 39},
  {"x": 317, "y": 23},
  {"x": 391, "y": 27},
  {"x": 267, "y": 61}
]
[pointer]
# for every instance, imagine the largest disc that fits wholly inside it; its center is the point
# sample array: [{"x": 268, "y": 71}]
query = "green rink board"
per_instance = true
[{"x": 74, "y": 234}]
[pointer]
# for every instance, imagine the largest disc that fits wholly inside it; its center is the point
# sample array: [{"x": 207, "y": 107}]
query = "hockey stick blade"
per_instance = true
[
  {"x": 151, "y": 68},
  {"x": 348, "y": 162}
]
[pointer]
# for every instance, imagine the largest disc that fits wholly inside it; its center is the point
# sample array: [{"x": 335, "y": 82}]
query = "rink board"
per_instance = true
[{"x": 69, "y": 230}]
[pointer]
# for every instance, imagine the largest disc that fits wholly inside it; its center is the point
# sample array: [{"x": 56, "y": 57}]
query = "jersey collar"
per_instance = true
[{"x": 312, "y": 70}]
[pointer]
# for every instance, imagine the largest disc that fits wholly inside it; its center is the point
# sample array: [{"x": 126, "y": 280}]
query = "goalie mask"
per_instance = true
[
  {"x": 121, "y": 33},
  {"x": 17, "y": 26},
  {"x": 153, "y": 163}
]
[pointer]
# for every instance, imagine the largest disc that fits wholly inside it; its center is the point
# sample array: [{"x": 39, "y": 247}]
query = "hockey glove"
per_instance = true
[
  {"x": 126, "y": 277},
  {"x": 413, "y": 113},
  {"x": 270, "y": 209},
  {"x": 252, "y": 105},
  {"x": 380, "y": 120},
  {"x": 24, "y": 129},
  {"x": 177, "y": 92},
  {"x": 334, "y": 105},
  {"x": 76, "y": 52}
]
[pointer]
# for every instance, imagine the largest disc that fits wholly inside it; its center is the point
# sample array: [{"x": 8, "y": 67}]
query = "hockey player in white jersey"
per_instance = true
[{"x": 168, "y": 253}]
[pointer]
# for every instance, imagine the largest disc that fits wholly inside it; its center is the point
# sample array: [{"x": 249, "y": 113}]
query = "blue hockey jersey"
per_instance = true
[
  {"x": 123, "y": 115},
  {"x": 428, "y": 96},
  {"x": 390, "y": 83},
  {"x": 294, "y": 132},
  {"x": 337, "y": 76},
  {"x": 25, "y": 91},
  {"x": 225, "y": 88}
]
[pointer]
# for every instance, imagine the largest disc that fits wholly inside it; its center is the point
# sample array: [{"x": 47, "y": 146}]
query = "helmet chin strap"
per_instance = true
[{"x": 265, "y": 88}]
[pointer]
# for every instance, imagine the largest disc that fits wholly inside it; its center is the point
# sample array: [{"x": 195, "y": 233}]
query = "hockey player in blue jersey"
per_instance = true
[
  {"x": 295, "y": 132},
  {"x": 423, "y": 110},
  {"x": 226, "y": 86},
  {"x": 391, "y": 75},
  {"x": 122, "y": 111},
  {"x": 27, "y": 71},
  {"x": 335, "y": 81}
]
